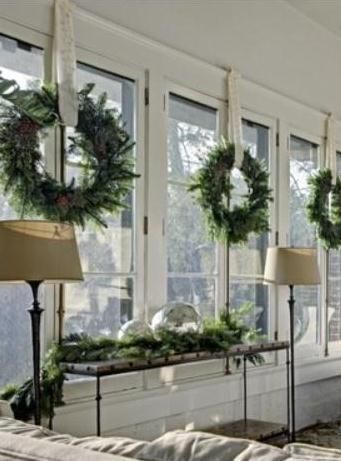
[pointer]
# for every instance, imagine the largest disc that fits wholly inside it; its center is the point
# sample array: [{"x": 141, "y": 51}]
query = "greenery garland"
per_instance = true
[
  {"x": 324, "y": 208},
  {"x": 99, "y": 141},
  {"x": 217, "y": 335},
  {"x": 213, "y": 190}
]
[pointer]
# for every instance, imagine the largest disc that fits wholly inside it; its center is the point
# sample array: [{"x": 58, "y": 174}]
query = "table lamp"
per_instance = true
[
  {"x": 36, "y": 252},
  {"x": 292, "y": 266}
]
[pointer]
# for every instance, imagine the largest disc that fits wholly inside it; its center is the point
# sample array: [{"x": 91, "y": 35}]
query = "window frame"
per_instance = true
[
  {"x": 333, "y": 347},
  {"x": 304, "y": 352},
  {"x": 44, "y": 42},
  {"x": 271, "y": 124},
  {"x": 221, "y": 117},
  {"x": 41, "y": 42},
  {"x": 105, "y": 65}
]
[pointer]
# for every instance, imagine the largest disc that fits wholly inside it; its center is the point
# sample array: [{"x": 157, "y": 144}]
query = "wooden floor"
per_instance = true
[{"x": 251, "y": 429}]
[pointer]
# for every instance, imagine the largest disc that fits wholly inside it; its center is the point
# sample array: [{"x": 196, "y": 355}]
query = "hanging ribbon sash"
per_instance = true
[
  {"x": 64, "y": 62},
  {"x": 235, "y": 116},
  {"x": 331, "y": 147},
  {"x": 331, "y": 164},
  {"x": 64, "y": 74}
]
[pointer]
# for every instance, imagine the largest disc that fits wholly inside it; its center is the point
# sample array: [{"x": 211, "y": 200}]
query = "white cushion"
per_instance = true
[
  {"x": 16, "y": 447},
  {"x": 305, "y": 452},
  {"x": 123, "y": 446},
  {"x": 14, "y": 426},
  {"x": 200, "y": 446}
]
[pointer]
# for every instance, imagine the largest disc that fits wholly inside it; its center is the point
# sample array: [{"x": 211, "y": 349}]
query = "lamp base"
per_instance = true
[
  {"x": 35, "y": 313},
  {"x": 291, "y": 302}
]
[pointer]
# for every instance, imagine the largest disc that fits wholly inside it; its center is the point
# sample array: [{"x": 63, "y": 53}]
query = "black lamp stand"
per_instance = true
[
  {"x": 35, "y": 313},
  {"x": 291, "y": 302}
]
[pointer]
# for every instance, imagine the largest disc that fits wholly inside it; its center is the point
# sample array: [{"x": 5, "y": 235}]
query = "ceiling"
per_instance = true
[
  {"x": 284, "y": 45},
  {"x": 327, "y": 13}
]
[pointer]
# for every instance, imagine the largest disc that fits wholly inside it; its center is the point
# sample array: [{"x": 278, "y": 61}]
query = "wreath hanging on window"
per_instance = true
[
  {"x": 324, "y": 208},
  {"x": 99, "y": 143},
  {"x": 213, "y": 188}
]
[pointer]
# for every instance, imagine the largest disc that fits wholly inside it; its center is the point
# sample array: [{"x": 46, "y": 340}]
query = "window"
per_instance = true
[
  {"x": 106, "y": 298},
  {"x": 334, "y": 281},
  {"x": 247, "y": 261},
  {"x": 303, "y": 163},
  {"x": 191, "y": 256},
  {"x": 24, "y": 63}
]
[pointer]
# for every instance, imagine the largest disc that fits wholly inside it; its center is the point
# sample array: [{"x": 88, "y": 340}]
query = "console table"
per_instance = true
[{"x": 245, "y": 428}]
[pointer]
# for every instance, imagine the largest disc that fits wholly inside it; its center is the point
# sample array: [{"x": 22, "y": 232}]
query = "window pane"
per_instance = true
[
  {"x": 190, "y": 252},
  {"x": 303, "y": 163},
  {"x": 109, "y": 250},
  {"x": 247, "y": 262},
  {"x": 24, "y": 64},
  {"x": 188, "y": 247},
  {"x": 191, "y": 131},
  {"x": 100, "y": 305},
  {"x": 334, "y": 309},
  {"x": 107, "y": 255},
  {"x": 199, "y": 291}
]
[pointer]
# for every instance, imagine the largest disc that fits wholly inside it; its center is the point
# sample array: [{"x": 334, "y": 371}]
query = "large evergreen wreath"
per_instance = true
[
  {"x": 99, "y": 141},
  {"x": 324, "y": 208},
  {"x": 213, "y": 189}
]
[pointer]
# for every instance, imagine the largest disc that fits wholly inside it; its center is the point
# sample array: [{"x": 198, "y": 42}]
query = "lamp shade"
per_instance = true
[
  {"x": 38, "y": 251},
  {"x": 291, "y": 266}
]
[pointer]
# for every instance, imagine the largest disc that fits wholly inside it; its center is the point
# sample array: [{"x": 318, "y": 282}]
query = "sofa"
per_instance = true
[{"x": 26, "y": 442}]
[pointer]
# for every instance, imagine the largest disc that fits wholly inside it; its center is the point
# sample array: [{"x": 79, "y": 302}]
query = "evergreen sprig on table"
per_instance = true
[{"x": 216, "y": 336}]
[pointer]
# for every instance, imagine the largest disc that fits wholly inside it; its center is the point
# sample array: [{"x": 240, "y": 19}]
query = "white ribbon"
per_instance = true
[
  {"x": 331, "y": 147},
  {"x": 64, "y": 62},
  {"x": 235, "y": 116}
]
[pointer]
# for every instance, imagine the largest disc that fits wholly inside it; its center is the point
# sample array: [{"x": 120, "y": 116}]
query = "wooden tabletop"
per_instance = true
[{"x": 117, "y": 366}]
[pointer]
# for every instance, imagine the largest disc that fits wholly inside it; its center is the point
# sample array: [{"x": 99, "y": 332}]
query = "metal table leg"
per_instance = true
[
  {"x": 245, "y": 389},
  {"x": 292, "y": 361},
  {"x": 98, "y": 405},
  {"x": 51, "y": 412}
]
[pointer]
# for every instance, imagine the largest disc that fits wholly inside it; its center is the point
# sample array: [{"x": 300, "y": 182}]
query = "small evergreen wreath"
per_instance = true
[
  {"x": 99, "y": 140},
  {"x": 213, "y": 188},
  {"x": 325, "y": 213}
]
